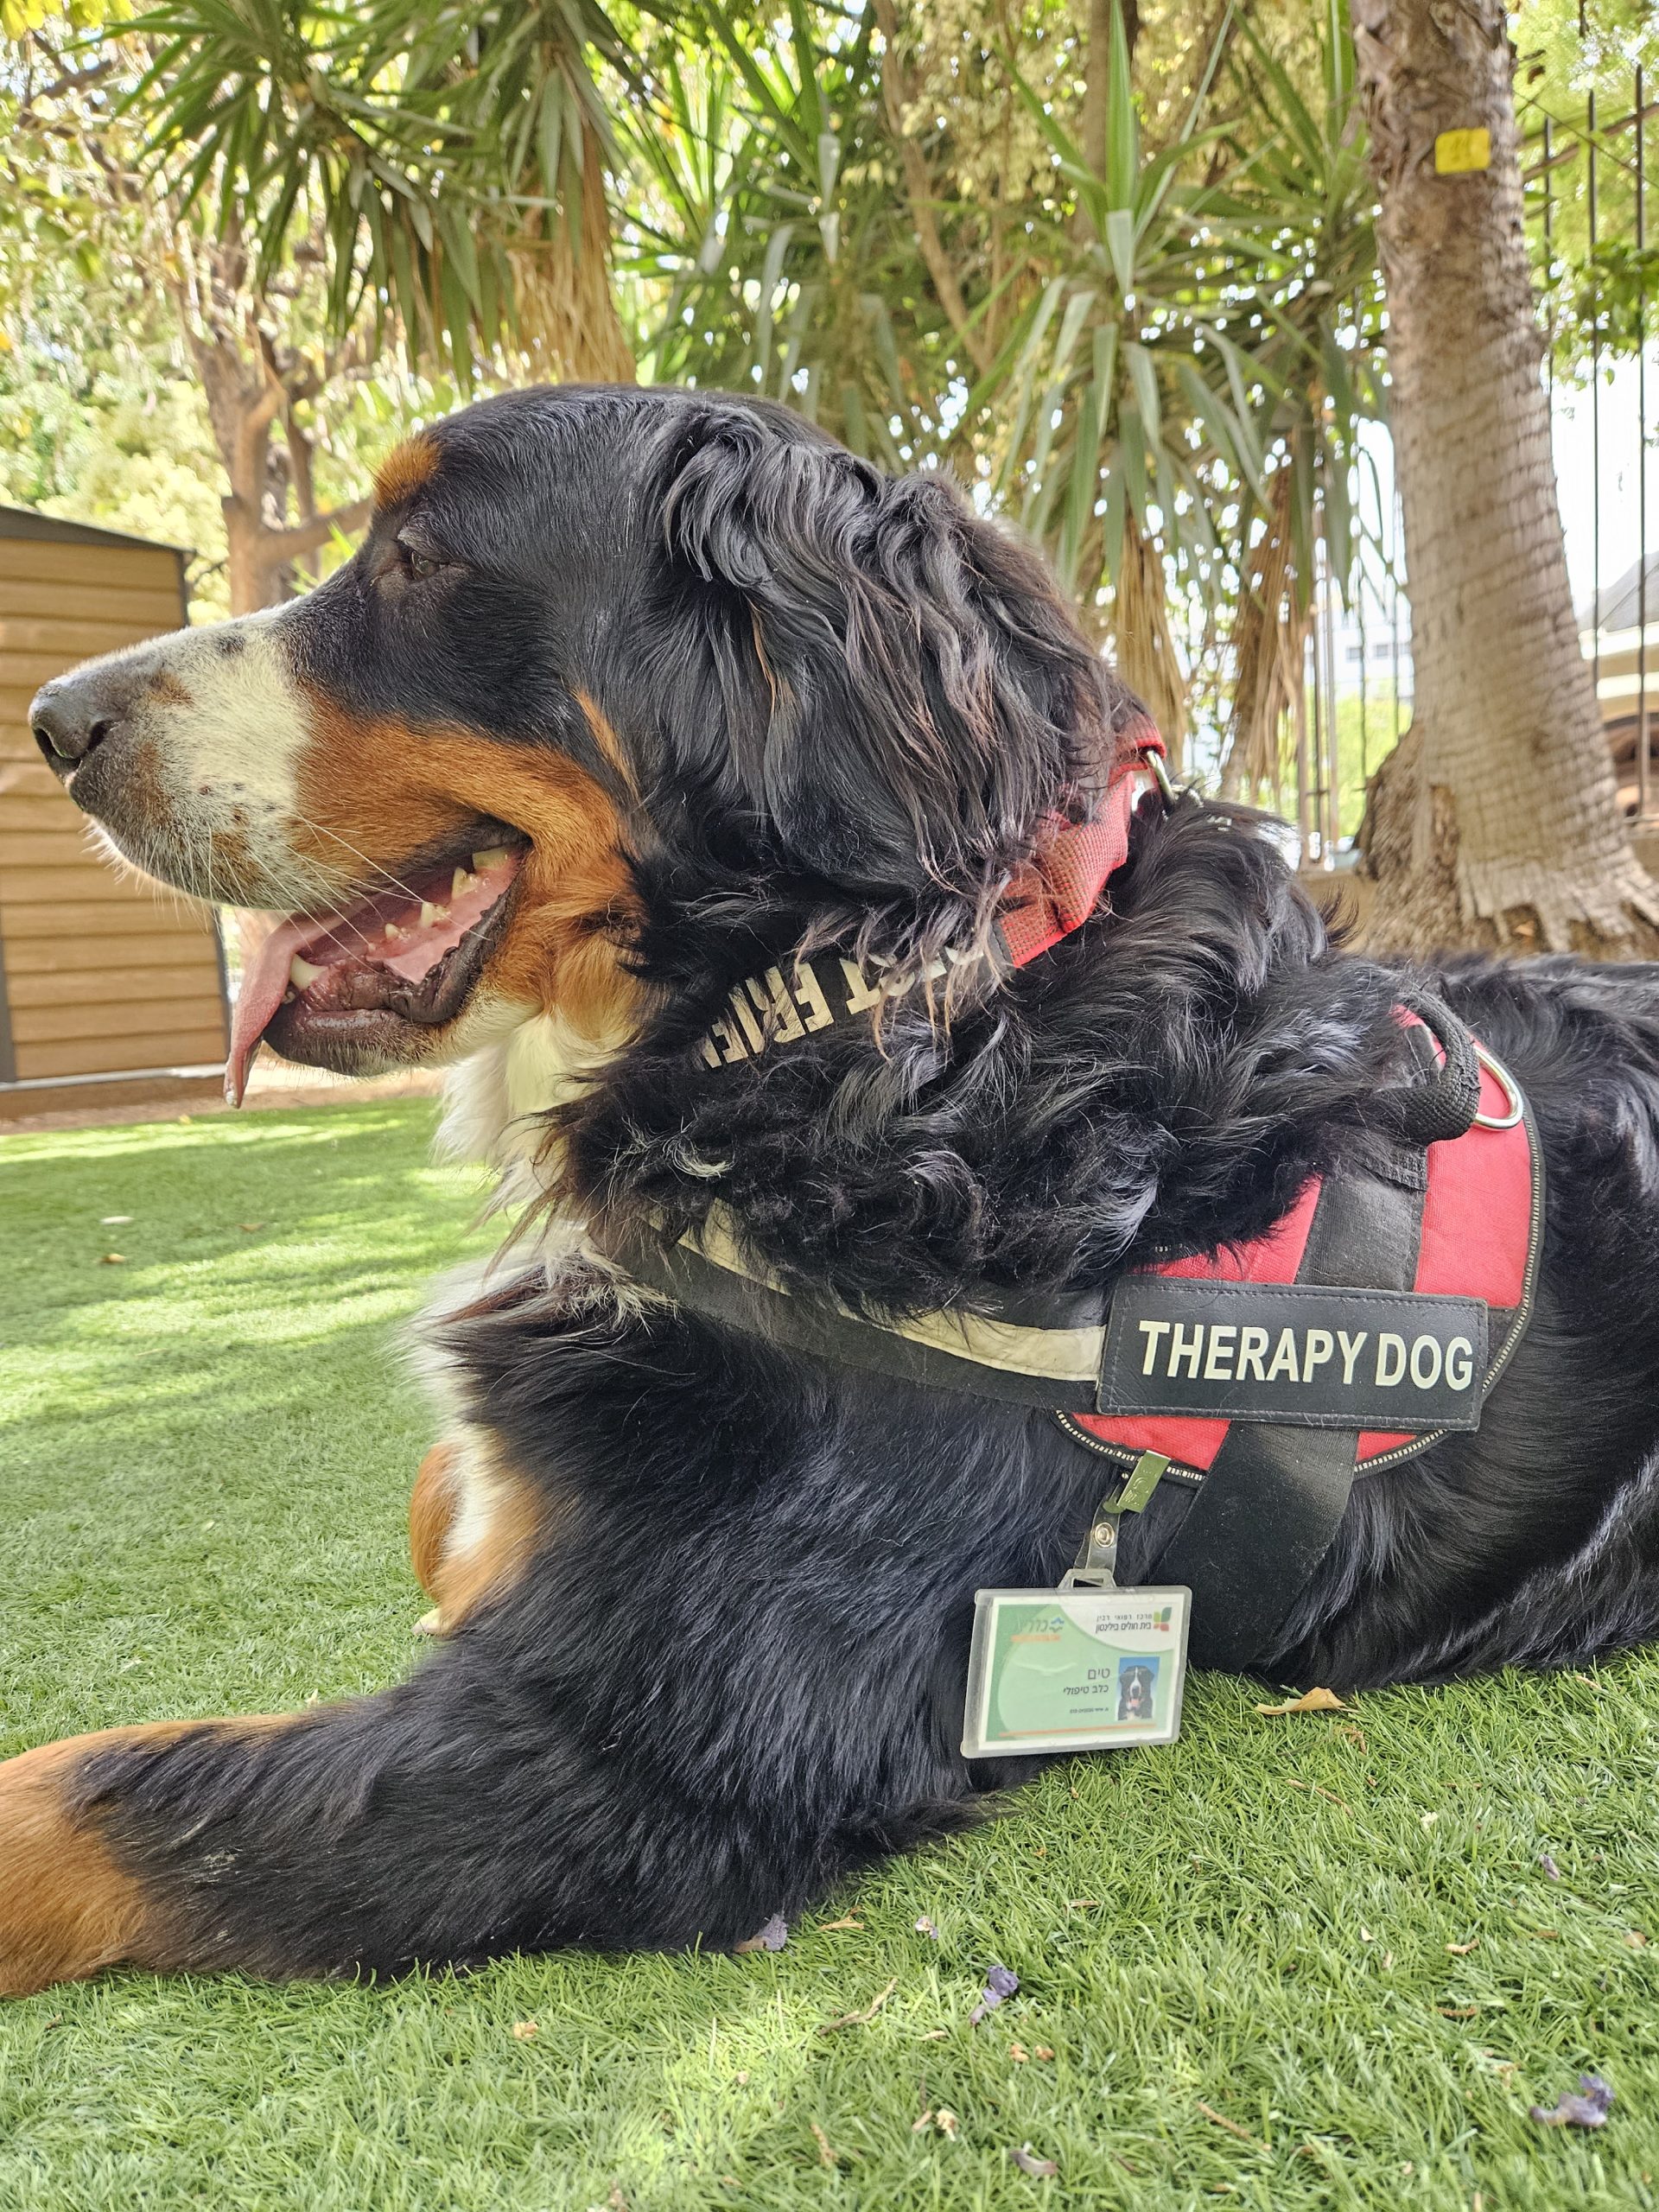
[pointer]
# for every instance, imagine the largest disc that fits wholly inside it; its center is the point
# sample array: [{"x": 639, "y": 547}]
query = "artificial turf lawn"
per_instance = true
[{"x": 205, "y": 1456}]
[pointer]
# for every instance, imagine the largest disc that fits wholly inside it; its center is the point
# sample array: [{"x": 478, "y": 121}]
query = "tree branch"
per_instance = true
[
  {"x": 306, "y": 537},
  {"x": 918, "y": 192}
]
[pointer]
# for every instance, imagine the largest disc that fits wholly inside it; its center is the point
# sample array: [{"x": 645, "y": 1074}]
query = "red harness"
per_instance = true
[{"x": 1481, "y": 1222}]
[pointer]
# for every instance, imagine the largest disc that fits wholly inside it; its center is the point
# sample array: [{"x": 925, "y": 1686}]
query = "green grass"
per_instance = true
[{"x": 204, "y": 1460}]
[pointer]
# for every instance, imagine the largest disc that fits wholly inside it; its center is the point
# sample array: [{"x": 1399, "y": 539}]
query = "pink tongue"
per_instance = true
[
  {"x": 263, "y": 983},
  {"x": 420, "y": 935}
]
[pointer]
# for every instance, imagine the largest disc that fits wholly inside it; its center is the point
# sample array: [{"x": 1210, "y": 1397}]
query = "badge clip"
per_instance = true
[{"x": 1094, "y": 1566}]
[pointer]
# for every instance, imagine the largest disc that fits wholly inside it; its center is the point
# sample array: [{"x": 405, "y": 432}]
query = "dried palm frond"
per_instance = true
[
  {"x": 1270, "y": 634},
  {"x": 568, "y": 323},
  {"x": 1144, "y": 644}
]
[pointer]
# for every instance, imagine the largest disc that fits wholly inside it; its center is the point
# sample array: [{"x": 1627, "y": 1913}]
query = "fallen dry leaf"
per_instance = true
[
  {"x": 617, "y": 2201},
  {"x": 114, "y": 1260},
  {"x": 1082, "y": 1904},
  {"x": 1459, "y": 2012},
  {"x": 1634, "y": 1939},
  {"x": 1028, "y": 2163},
  {"x": 1462, "y": 1950},
  {"x": 741, "y": 2079},
  {"x": 1427, "y": 1821},
  {"x": 826, "y": 2155},
  {"x": 1044, "y": 2050},
  {"x": 857, "y": 2019},
  {"x": 1018, "y": 2053},
  {"x": 524, "y": 2030},
  {"x": 946, "y": 2122},
  {"x": 1310, "y": 1702},
  {"x": 826, "y": 1926},
  {"x": 1354, "y": 1735},
  {"x": 925, "y": 1927},
  {"x": 1552, "y": 1872},
  {"x": 248, "y": 1227},
  {"x": 1586, "y": 2106},
  {"x": 1231, "y": 2126}
]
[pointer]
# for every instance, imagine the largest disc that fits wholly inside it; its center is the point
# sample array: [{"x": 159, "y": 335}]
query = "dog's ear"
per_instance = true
[{"x": 903, "y": 690}]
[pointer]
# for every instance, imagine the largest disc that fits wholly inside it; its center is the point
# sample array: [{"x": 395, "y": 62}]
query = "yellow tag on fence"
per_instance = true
[{"x": 1459, "y": 153}]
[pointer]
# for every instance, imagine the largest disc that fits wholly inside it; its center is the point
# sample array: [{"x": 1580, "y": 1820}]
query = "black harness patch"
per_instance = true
[{"x": 1299, "y": 1353}]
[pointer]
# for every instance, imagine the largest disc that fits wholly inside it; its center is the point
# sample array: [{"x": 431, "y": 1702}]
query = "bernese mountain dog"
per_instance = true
[{"x": 628, "y": 695}]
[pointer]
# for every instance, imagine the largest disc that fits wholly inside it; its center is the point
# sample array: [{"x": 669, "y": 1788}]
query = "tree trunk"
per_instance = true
[
  {"x": 1495, "y": 822},
  {"x": 246, "y": 393}
]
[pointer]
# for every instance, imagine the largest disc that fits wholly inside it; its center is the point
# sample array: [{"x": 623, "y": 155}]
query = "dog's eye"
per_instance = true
[{"x": 417, "y": 565}]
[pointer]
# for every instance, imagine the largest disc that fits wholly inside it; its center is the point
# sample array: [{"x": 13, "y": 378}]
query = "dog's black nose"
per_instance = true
[{"x": 71, "y": 718}]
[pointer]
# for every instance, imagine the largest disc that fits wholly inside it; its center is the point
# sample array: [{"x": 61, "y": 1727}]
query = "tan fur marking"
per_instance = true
[
  {"x": 491, "y": 1562},
  {"x": 432, "y": 1511},
  {"x": 387, "y": 790},
  {"x": 405, "y": 468},
  {"x": 67, "y": 1909},
  {"x": 605, "y": 737}
]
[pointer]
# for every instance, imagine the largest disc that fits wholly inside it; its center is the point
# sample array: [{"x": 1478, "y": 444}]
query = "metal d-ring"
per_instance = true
[{"x": 1511, "y": 1092}]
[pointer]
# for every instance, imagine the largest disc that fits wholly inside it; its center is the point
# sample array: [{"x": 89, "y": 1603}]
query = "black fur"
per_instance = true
[{"x": 735, "y": 1668}]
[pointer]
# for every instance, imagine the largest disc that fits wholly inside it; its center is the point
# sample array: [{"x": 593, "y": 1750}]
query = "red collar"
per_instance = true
[{"x": 1060, "y": 887}]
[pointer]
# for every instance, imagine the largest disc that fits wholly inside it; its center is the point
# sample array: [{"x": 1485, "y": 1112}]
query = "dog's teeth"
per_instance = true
[
  {"x": 430, "y": 914},
  {"x": 393, "y": 933},
  {"x": 462, "y": 880},
  {"x": 301, "y": 972},
  {"x": 495, "y": 856}
]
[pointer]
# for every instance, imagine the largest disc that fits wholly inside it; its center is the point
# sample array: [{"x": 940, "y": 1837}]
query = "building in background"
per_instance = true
[{"x": 111, "y": 989}]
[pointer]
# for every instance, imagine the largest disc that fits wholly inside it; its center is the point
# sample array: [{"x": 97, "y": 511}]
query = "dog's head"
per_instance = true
[{"x": 595, "y": 641}]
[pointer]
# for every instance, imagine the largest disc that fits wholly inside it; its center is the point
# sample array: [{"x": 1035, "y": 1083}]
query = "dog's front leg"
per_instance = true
[
  {"x": 398, "y": 1828},
  {"x": 69, "y": 1904}
]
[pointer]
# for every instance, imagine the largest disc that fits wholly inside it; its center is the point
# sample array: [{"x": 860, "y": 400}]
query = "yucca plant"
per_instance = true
[
  {"x": 1306, "y": 220},
  {"x": 765, "y": 248},
  {"x": 1180, "y": 381},
  {"x": 452, "y": 160}
]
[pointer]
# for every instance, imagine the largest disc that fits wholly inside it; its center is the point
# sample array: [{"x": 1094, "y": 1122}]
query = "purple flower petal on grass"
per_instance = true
[
  {"x": 925, "y": 1927},
  {"x": 1000, "y": 1982},
  {"x": 1039, "y": 2168},
  {"x": 1586, "y": 2107},
  {"x": 772, "y": 1937}
]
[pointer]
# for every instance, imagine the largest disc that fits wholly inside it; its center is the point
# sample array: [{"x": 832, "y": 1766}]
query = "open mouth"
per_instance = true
[{"x": 360, "y": 987}]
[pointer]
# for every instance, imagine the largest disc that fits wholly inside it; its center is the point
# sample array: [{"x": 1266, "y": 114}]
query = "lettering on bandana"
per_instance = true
[{"x": 1294, "y": 1352}]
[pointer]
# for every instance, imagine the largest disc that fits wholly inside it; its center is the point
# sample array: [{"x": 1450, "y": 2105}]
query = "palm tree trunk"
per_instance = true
[{"x": 1495, "y": 823}]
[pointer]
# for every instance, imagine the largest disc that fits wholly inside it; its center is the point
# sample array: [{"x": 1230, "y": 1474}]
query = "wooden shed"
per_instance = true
[{"x": 109, "y": 988}]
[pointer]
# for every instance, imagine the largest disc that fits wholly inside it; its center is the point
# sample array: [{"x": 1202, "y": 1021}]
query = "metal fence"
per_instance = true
[{"x": 1585, "y": 162}]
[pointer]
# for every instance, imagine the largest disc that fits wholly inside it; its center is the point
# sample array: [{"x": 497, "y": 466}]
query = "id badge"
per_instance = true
[{"x": 1075, "y": 1670}]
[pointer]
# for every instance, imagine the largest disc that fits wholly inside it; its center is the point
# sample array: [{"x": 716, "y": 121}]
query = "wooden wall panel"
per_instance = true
[{"x": 102, "y": 970}]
